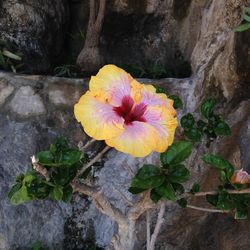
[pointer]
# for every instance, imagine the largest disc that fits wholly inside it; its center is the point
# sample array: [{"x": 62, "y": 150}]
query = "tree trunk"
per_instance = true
[{"x": 90, "y": 59}]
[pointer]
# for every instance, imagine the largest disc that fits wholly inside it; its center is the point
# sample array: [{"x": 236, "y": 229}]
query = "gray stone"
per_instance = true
[
  {"x": 5, "y": 91},
  {"x": 63, "y": 94},
  {"x": 37, "y": 29},
  {"x": 27, "y": 103}
]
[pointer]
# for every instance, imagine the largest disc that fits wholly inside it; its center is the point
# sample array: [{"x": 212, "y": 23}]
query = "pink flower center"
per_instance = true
[{"x": 131, "y": 112}]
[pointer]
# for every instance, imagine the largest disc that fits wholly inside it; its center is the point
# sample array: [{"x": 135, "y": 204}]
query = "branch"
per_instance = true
[
  {"x": 214, "y": 192},
  {"x": 95, "y": 159},
  {"x": 101, "y": 201},
  {"x": 159, "y": 222},
  {"x": 82, "y": 148},
  {"x": 230, "y": 191},
  {"x": 148, "y": 229},
  {"x": 100, "y": 15},
  {"x": 142, "y": 206},
  {"x": 39, "y": 168},
  {"x": 91, "y": 12},
  {"x": 206, "y": 209}
]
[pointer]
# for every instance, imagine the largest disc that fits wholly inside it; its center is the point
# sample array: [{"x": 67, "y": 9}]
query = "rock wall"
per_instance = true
[
  {"x": 35, "y": 109},
  {"x": 37, "y": 28}
]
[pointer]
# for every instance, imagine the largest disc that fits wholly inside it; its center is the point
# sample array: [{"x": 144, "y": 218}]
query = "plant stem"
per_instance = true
[
  {"x": 206, "y": 209},
  {"x": 95, "y": 159},
  {"x": 148, "y": 228},
  {"x": 159, "y": 222},
  {"x": 230, "y": 191},
  {"x": 87, "y": 144}
]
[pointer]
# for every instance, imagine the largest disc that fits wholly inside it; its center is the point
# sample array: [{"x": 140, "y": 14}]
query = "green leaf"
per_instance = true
[
  {"x": 147, "y": 171},
  {"x": 179, "y": 175},
  {"x": 67, "y": 194},
  {"x": 193, "y": 134},
  {"x": 178, "y": 104},
  {"x": 166, "y": 190},
  {"x": 246, "y": 17},
  {"x": 20, "y": 196},
  {"x": 148, "y": 183},
  {"x": 37, "y": 246},
  {"x": 57, "y": 193},
  {"x": 207, "y": 107},
  {"x": 45, "y": 158},
  {"x": 11, "y": 55},
  {"x": 70, "y": 157},
  {"x": 2, "y": 60},
  {"x": 218, "y": 162},
  {"x": 61, "y": 143},
  {"x": 195, "y": 188},
  {"x": 221, "y": 164},
  {"x": 155, "y": 197},
  {"x": 212, "y": 199},
  {"x": 178, "y": 188},
  {"x": 242, "y": 27},
  {"x": 177, "y": 153},
  {"x": 201, "y": 125},
  {"x": 160, "y": 90},
  {"x": 148, "y": 176},
  {"x": 224, "y": 201},
  {"x": 222, "y": 128},
  {"x": 182, "y": 202},
  {"x": 135, "y": 190},
  {"x": 14, "y": 189},
  {"x": 241, "y": 214},
  {"x": 247, "y": 10},
  {"x": 187, "y": 121}
]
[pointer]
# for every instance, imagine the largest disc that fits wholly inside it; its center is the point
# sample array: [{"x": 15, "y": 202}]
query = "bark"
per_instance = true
[{"x": 90, "y": 59}]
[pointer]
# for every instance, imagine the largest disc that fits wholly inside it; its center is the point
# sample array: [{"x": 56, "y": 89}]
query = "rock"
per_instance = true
[
  {"x": 38, "y": 30},
  {"x": 5, "y": 91},
  {"x": 45, "y": 221},
  {"x": 26, "y": 103},
  {"x": 63, "y": 94}
]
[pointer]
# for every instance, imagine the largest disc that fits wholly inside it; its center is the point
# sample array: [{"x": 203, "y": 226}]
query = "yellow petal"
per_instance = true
[
  {"x": 151, "y": 98},
  {"x": 138, "y": 139},
  {"x": 98, "y": 118},
  {"x": 114, "y": 82},
  {"x": 164, "y": 123}
]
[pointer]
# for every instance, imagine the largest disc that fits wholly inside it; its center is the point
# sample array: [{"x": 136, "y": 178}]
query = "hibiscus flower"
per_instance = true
[{"x": 128, "y": 115}]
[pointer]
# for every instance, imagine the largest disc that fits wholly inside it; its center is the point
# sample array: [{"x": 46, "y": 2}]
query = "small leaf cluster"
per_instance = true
[
  {"x": 66, "y": 70},
  {"x": 246, "y": 24},
  {"x": 237, "y": 203},
  {"x": 9, "y": 60},
  {"x": 210, "y": 125},
  {"x": 164, "y": 181},
  {"x": 62, "y": 163}
]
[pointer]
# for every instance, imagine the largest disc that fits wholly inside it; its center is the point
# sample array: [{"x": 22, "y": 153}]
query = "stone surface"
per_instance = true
[
  {"x": 37, "y": 28},
  {"x": 26, "y": 103},
  {"x": 143, "y": 32},
  {"x": 5, "y": 91}
]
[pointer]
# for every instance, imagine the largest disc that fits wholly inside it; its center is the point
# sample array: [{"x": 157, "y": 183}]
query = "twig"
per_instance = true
[
  {"x": 95, "y": 159},
  {"x": 82, "y": 148},
  {"x": 100, "y": 15},
  {"x": 142, "y": 206},
  {"x": 206, "y": 209},
  {"x": 148, "y": 228},
  {"x": 159, "y": 222},
  {"x": 39, "y": 168},
  {"x": 230, "y": 191},
  {"x": 101, "y": 202},
  {"x": 214, "y": 192}
]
